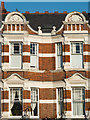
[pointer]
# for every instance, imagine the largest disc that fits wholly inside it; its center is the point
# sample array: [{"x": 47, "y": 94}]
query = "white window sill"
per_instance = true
[
  {"x": 14, "y": 117},
  {"x": 29, "y": 70},
  {"x": 34, "y": 117},
  {"x": 58, "y": 117},
  {"x": 57, "y": 70},
  {"x": 78, "y": 116},
  {"x": 75, "y": 69}
]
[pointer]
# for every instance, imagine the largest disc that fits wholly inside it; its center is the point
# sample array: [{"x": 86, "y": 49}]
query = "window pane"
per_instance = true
[
  {"x": 78, "y": 101},
  {"x": 15, "y": 101},
  {"x": 60, "y": 101},
  {"x": 16, "y": 48},
  {"x": 33, "y": 57},
  {"x": 76, "y": 48},
  {"x": 59, "y": 48},
  {"x": 78, "y": 108},
  {"x": 34, "y": 102},
  {"x": 33, "y": 48},
  {"x": 59, "y": 55}
]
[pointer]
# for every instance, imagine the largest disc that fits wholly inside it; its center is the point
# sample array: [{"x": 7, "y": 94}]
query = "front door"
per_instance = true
[{"x": 15, "y": 101}]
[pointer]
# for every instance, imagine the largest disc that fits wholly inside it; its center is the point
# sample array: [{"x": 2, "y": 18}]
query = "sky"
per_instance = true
[{"x": 47, "y": 6}]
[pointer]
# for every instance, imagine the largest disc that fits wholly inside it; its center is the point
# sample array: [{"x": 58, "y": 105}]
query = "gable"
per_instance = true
[
  {"x": 15, "y": 79},
  {"x": 76, "y": 80}
]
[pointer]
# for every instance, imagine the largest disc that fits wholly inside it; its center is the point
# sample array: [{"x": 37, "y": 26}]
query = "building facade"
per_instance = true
[{"x": 45, "y": 65}]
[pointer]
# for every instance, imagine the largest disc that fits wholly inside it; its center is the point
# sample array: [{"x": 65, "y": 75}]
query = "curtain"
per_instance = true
[
  {"x": 78, "y": 108},
  {"x": 78, "y": 101}
]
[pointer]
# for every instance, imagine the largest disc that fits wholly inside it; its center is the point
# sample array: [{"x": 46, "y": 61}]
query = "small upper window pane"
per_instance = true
[
  {"x": 33, "y": 48},
  {"x": 16, "y": 48},
  {"x": 59, "y": 48},
  {"x": 76, "y": 48}
]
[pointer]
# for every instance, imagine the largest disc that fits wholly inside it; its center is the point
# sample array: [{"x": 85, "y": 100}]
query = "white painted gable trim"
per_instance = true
[
  {"x": 14, "y": 74},
  {"x": 14, "y": 80},
  {"x": 76, "y": 80},
  {"x": 77, "y": 74}
]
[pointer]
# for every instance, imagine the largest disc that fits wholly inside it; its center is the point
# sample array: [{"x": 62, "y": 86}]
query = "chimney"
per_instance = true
[
  {"x": 3, "y": 8},
  {"x": 2, "y": 5},
  {"x": 83, "y": 12},
  {"x": 65, "y": 12}
]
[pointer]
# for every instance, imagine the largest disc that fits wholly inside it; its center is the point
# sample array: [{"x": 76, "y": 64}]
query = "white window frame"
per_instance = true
[
  {"x": 73, "y": 52},
  {"x": 60, "y": 54},
  {"x": 12, "y": 44},
  {"x": 36, "y": 102},
  {"x": 34, "y": 54},
  {"x": 11, "y": 53},
  {"x": 21, "y": 101},
  {"x": 77, "y": 87},
  {"x": 61, "y": 101},
  {"x": 81, "y": 53}
]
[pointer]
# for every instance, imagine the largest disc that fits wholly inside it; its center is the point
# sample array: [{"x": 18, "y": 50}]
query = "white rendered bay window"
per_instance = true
[
  {"x": 59, "y": 55},
  {"x": 33, "y": 55},
  {"x": 76, "y": 55},
  {"x": 34, "y": 102},
  {"x": 16, "y": 55},
  {"x": 60, "y": 102},
  {"x": 78, "y": 97}
]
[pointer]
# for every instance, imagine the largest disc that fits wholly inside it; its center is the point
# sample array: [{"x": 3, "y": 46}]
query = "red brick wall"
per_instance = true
[
  {"x": 67, "y": 106},
  {"x": 47, "y": 63},
  {"x": 26, "y": 48},
  {"x": 26, "y": 59},
  {"x": 47, "y": 93},
  {"x": 30, "y": 32},
  {"x": 47, "y": 110},
  {"x": 67, "y": 94},
  {"x": 26, "y": 94},
  {"x": 47, "y": 48},
  {"x": 5, "y": 48},
  {"x": 5, "y": 107},
  {"x": 5, "y": 59},
  {"x": 87, "y": 93},
  {"x": 66, "y": 48},
  {"x": 66, "y": 58},
  {"x": 87, "y": 106},
  {"x": 5, "y": 95},
  {"x": 86, "y": 58}
]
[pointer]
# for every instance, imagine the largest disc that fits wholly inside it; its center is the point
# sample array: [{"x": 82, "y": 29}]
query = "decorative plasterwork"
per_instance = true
[
  {"x": 15, "y": 79},
  {"x": 76, "y": 80},
  {"x": 15, "y": 17},
  {"x": 75, "y": 17}
]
